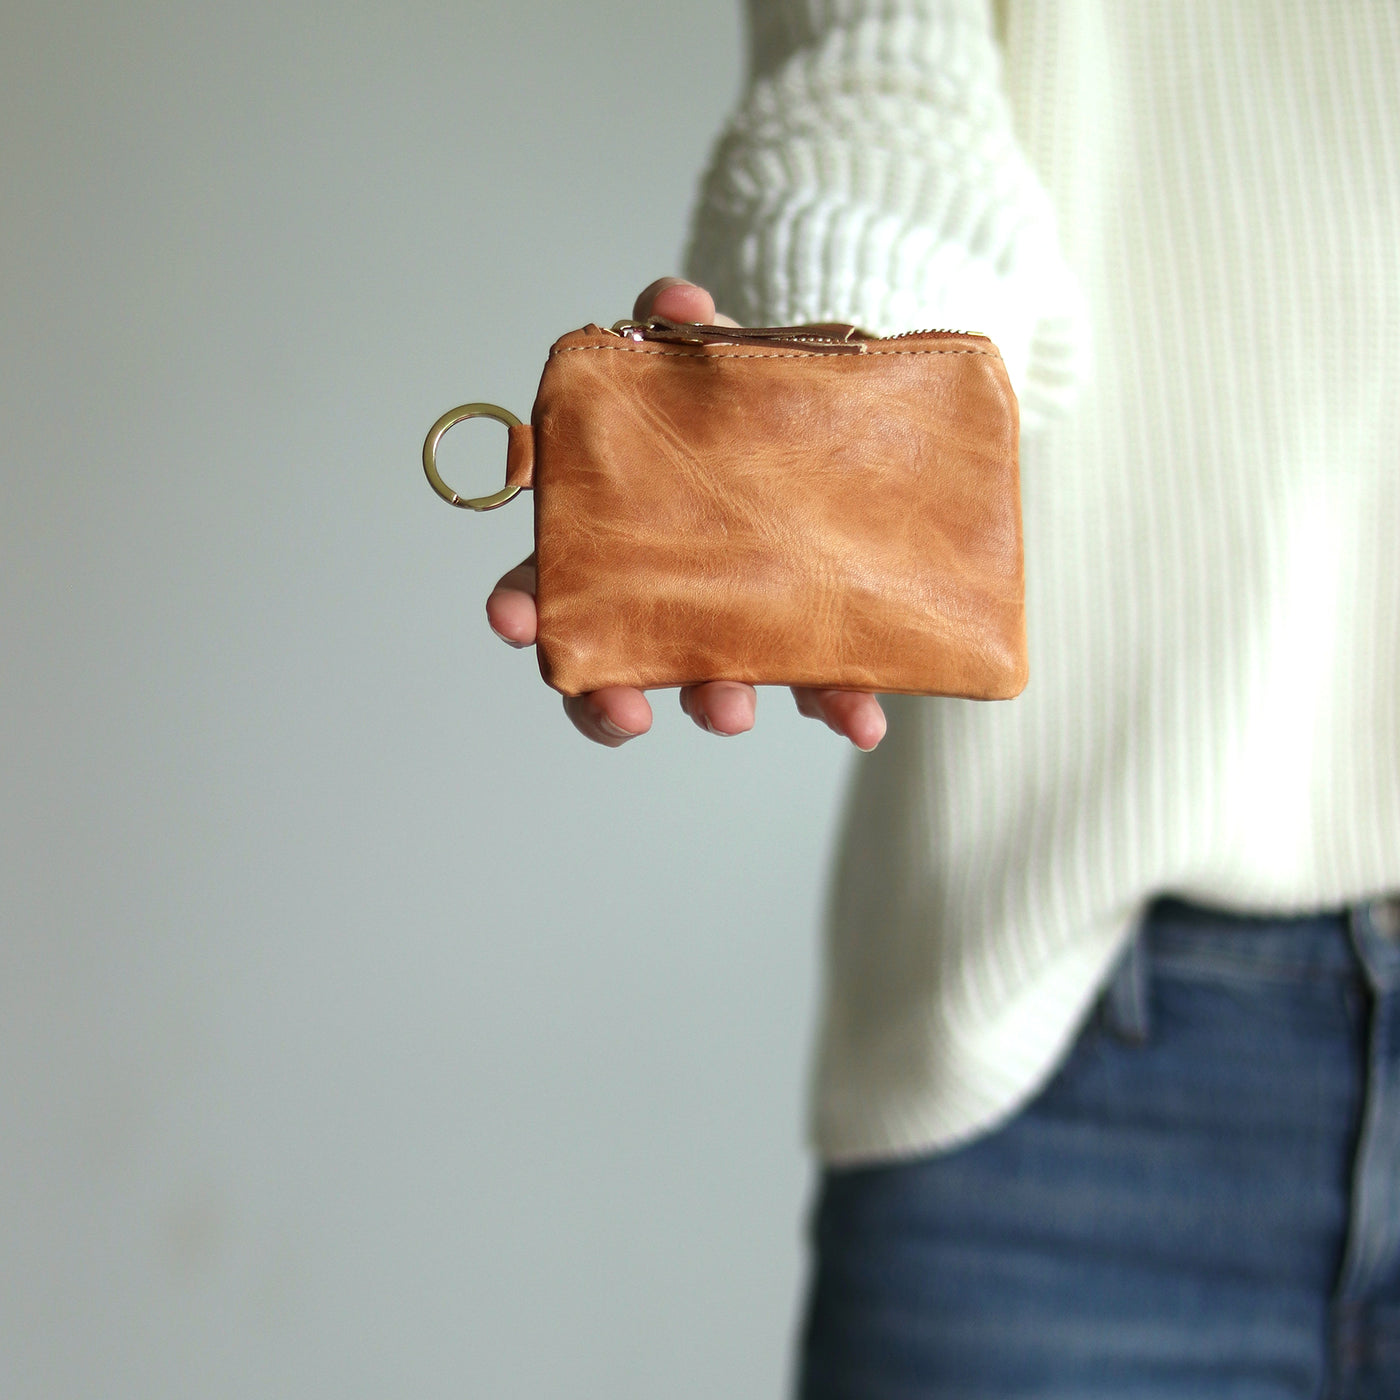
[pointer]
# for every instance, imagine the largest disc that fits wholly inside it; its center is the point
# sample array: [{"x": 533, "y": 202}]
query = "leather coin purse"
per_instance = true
[{"x": 797, "y": 505}]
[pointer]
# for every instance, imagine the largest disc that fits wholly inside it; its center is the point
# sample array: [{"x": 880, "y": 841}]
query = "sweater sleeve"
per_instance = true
[{"x": 870, "y": 173}]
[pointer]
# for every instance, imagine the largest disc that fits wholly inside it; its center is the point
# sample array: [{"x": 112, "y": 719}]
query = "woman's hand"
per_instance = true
[{"x": 618, "y": 713}]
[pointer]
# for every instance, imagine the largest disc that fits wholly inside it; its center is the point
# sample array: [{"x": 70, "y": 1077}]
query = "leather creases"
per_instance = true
[{"x": 764, "y": 511}]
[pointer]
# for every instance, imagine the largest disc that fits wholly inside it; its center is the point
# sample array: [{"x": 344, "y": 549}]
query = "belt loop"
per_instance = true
[{"x": 1125, "y": 1009}]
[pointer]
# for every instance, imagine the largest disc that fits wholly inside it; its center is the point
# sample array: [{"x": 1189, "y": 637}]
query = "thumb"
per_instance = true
[{"x": 677, "y": 300}]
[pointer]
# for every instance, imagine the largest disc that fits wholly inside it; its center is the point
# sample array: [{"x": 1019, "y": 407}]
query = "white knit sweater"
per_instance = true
[{"x": 1181, "y": 222}]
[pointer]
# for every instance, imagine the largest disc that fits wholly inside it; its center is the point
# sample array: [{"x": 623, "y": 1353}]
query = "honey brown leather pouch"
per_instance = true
[{"x": 801, "y": 505}]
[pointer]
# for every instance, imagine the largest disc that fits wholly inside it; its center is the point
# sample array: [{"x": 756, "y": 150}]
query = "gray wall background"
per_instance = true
[{"x": 363, "y": 1031}]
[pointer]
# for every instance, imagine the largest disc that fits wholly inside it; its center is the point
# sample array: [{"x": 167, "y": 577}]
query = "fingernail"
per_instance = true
[
  {"x": 870, "y": 748},
  {"x": 722, "y": 733},
  {"x": 509, "y": 641},
  {"x": 616, "y": 731}
]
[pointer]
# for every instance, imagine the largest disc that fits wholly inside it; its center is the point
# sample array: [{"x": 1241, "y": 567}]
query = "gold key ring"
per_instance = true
[{"x": 449, "y": 420}]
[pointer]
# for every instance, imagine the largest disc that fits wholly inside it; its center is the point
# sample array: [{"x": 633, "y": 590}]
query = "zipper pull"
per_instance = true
[{"x": 828, "y": 337}]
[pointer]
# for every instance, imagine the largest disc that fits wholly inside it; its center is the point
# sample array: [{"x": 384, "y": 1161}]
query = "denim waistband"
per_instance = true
[
  {"x": 1361, "y": 943},
  {"x": 1266, "y": 945}
]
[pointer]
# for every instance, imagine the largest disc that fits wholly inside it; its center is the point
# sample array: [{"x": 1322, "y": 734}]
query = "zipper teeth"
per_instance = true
[
  {"x": 638, "y": 331},
  {"x": 780, "y": 335},
  {"x": 936, "y": 330}
]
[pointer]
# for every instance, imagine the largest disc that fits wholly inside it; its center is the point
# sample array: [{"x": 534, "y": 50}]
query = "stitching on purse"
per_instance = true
[{"x": 757, "y": 355}]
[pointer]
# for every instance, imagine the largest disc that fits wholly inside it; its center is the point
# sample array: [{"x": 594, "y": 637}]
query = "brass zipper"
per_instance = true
[
  {"x": 904, "y": 335},
  {"x": 827, "y": 337}
]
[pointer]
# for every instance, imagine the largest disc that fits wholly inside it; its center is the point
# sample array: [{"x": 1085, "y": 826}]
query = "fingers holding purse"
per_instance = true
[
  {"x": 618, "y": 713},
  {"x": 615, "y": 714},
  {"x": 609, "y": 717},
  {"x": 710, "y": 493}
]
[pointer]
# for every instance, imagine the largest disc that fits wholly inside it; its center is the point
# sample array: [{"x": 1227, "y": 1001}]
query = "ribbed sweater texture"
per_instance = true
[{"x": 1181, "y": 224}]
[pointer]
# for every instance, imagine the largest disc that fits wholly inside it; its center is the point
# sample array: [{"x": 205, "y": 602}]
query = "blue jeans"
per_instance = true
[{"x": 1204, "y": 1202}]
